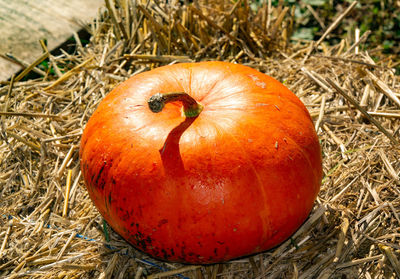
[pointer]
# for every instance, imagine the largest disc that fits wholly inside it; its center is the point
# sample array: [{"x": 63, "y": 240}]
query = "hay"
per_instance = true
[{"x": 49, "y": 226}]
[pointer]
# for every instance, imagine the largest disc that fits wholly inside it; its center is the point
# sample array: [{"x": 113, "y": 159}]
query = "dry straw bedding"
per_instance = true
[{"x": 49, "y": 226}]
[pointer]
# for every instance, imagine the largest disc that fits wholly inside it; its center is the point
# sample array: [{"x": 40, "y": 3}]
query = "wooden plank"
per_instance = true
[{"x": 24, "y": 22}]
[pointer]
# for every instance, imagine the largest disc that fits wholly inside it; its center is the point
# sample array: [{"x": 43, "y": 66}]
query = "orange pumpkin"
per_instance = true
[{"x": 231, "y": 166}]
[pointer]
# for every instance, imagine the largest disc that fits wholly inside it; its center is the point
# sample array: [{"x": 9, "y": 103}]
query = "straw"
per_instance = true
[{"x": 56, "y": 231}]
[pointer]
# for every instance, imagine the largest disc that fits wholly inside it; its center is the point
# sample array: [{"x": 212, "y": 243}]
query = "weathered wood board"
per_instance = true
[{"x": 24, "y": 22}]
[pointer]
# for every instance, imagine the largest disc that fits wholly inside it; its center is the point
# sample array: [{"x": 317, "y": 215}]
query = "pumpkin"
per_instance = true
[{"x": 229, "y": 166}]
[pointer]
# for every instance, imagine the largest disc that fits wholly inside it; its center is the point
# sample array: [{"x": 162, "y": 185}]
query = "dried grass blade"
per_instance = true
[
  {"x": 61, "y": 253},
  {"x": 27, "y": 114},
  {"x": 358, "y": 261},
  {"x": 24, "y": 141},
  {"x": 69, "y": 73},
  {"x": 174, "y": 272},
  {"x": 388, "y": 165},
  {"x": 384, "y": 114},
  {"x": 342, "y": 237},
  {"x": 383, "y": 87},
  {"x": 12, "y": 58},
  {"x": 158, "y": 28},
  {"x": 357, "y": 43},
  {"x": 212, "y": 23},
  {"x": 159, "y": 58},
  {"x": 388, "y": 251},
  {"x": 39, "y": 60},
  {"x": 65, "y": 161},
  {"x": 7, "y": 235},
  {"x": 278, "y": 22},
  {"x": 67, "y": 191},
  {"x": 336, "y": 23},
  {"x": 363, "y": 111},
  {"x": 113, "y": 13}
]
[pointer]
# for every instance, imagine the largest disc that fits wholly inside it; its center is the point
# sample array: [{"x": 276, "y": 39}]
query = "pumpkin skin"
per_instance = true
[{"x": 238, "y": 179}]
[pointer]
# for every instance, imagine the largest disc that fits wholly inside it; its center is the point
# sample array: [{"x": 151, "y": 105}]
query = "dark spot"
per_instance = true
[
  {"x": 125, "y": 214},
  {"x": 148, "y": 240},
  {"x": 101, "y": 186},
  {"x": 162, "y": 222},
  {"x": 141, "y": 243},
  {"x": 113, "y": 180},
  {"x": 216, "y": 251},
  {"x": 220, "y": 242},
  {"x": 165, "y": 253},
  {"x": 183, "y": 248},
  {"x": 100, "y": 171},
  {"x": 156, "y": 252},
  {"x": 109, "y": 198},
  {"x": 92, "y": 177}
]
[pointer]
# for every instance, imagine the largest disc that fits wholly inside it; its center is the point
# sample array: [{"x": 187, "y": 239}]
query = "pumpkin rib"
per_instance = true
[
  {"x": 265, "y": 221},
  {"x": 305, "y": 155}
]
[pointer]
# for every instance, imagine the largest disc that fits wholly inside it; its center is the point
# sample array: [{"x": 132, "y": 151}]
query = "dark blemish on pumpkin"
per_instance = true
[
  {"x": 172, "y": 252},
  {"x": 109, "y": 198},
  {"x": 216, "y": 251},
  {"x": 277, "y": 107},
  {"x": 155, "y": 251},
  {"x": 201, "y": 245},
  {"x": 226, "y": 249},
  {"x": 220, "y": 242},
  {"x": 140, "y": 241},
  {"x": 106, "y": 203},
  {"x": 183, "y": 248},
  {"x": 162, "y": 222},
  {"x": 191, "y": 254},
  {"x": 140, "y": 235},
  {"x": 113, "y": 180},
  {"x": 92, "y": 177},
  {"x": 125, "y": 215},
  {"x": 101, "y": 186},
  {"x": 165, "y": 253}
]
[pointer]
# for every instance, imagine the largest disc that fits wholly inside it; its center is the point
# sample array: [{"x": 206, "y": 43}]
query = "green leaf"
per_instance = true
[
  {"x": 387, "y": 44},
  {"x": 315, "y": 2},
  {"x": 304, "y": 33}
]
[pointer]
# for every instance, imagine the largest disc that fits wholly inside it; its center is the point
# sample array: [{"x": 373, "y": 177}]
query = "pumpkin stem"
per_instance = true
[{"x": 191, "y": 108}]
